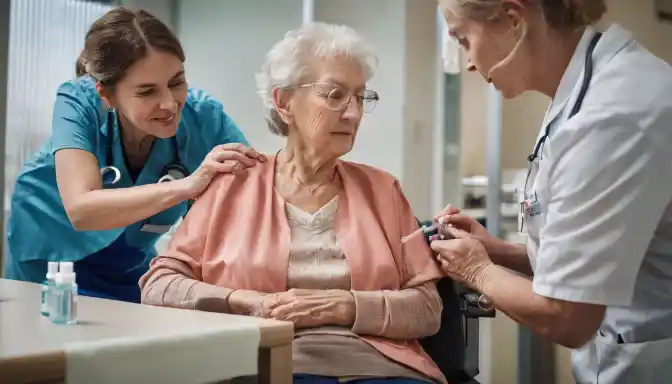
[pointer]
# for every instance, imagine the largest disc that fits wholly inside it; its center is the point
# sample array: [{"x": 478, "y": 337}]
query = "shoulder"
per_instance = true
[
  {"x": 227, "y": 185},
  {"x": 202, "y": 104},
  {"x": 204, "y": 114},
  {"x": 629, "y": 101},
  {"x": 633, "y": 82},
  {"x": 368, "y": 174},
  {"x": 83, "y": 89}
]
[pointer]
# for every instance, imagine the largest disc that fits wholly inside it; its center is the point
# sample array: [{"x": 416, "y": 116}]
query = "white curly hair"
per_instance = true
[{"x": 287, "y": 63}]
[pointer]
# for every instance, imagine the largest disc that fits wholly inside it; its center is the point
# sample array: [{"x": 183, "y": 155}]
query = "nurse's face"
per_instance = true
[
  {"x": 151, "y": 95},
  {"x": 487, "y": 44},
  {"x": 324, "y": 122}
]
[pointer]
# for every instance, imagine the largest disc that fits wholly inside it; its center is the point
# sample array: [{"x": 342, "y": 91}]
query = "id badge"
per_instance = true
[
  {"x": 532, "y": 205},
  {"x": 156, "y": 228},
  {"x": 520, "y": 199}
]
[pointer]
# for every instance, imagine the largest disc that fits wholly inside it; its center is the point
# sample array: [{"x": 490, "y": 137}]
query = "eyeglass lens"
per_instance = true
[{"x": 338, "y": 99}]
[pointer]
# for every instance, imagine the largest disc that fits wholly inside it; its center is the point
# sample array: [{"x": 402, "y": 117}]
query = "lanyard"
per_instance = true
[{"x": 535, "y": 156}]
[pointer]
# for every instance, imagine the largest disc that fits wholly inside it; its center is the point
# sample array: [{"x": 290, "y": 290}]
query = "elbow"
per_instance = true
[
  {"x": 150, "y": 296},
  {"x": 576, "y": 341},
  {"x": 433, "y": 310},
  {"x": 147, "y": 296},
  {"x": 574, "y": 324},
  {"x": 579, "y": 331},
  {"x": 433, "y": 326},
  {"x": 432, "y": 316},
  {"x": 78, "y": 220},
  {"x": 145, "y": 288},
  {"x": 79, "y": 224},
  {"x": 572, "y": 339}
]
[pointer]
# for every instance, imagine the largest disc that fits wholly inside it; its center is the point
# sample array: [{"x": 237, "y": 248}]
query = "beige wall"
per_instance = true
[
  {"x": 521, "y": 123},
  {"x": 473, "y": 120}
]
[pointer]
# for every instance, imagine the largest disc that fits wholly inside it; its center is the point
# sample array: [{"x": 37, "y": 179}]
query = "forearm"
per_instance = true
[
  {"x": 170, "y": 288},
  {"x": 407, "y": 314},
  {"x": 512, "y": 256},
  {"x": 513, "y": 295},
  {"x": 115, "y": 208}
]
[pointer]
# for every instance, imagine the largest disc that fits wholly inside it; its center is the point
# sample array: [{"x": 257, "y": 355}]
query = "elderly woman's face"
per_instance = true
[{"x": 328, "y": 110}]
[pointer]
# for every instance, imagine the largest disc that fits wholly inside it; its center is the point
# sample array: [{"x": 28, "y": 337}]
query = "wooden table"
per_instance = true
[{"x": 29, "y": 352}]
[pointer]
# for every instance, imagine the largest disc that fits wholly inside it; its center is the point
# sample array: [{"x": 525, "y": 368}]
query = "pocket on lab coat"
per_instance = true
[{"x": 647, "y": 362}]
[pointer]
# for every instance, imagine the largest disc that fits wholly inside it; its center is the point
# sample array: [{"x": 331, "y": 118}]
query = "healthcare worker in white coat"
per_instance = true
[
  {"x": 131, "y": 145},
  {"x": 596, "y": 273}
]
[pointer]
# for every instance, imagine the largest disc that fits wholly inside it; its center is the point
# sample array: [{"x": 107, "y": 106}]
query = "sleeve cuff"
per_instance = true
[
  {"x": 210, "y": 298},
  {"x": 597, "y": 295},
  {"x": 83, "y": 147},
  {"x": 369, "y": 313}
]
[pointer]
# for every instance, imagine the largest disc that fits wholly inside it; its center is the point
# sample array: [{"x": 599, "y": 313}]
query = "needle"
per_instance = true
[{"x": 423, "y": 229}]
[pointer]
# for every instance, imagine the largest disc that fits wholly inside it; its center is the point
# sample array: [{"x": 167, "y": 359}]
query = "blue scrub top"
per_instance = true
[{"x": 108, "y": 263}]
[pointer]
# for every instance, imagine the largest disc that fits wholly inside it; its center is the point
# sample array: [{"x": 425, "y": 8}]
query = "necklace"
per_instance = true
[{"x": 314, "y": 189}]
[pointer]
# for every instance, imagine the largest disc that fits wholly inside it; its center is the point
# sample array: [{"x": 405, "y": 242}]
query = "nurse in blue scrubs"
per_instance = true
[{"x": 92, "y": 193}]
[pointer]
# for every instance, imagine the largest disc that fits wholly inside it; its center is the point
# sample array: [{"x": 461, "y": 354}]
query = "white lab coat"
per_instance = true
[{"x": 602, "y": 231}]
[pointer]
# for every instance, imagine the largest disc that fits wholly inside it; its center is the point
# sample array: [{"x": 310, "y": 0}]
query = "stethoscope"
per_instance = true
[
  {"x": 174, "y": 170},
  {"x": 535, "y": 155}
]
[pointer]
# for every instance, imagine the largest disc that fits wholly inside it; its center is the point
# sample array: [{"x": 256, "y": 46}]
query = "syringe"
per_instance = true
[{"x": 424, "y": 229}]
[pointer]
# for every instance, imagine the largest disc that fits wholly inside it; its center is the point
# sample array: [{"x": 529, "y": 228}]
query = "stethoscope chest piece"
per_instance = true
[
  {"x": 110, "y": 175},
  {"x": 172, "y": 172}
]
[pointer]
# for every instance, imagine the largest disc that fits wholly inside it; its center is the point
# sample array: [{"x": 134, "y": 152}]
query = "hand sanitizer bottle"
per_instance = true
[
  {"x": 64, "y": 296},
  {"x": 47, "y": 285}
]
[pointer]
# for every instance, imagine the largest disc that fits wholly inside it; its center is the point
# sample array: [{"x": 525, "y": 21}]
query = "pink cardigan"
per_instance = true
[{"x": 236, "y": 236}]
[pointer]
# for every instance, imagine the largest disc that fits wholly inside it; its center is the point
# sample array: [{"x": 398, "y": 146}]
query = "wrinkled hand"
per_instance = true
[
  {"x": 250, "y": 303},
  {"x": 463, "y": 258},
  {"x": 308, "y": 308},
  {"x": 451, "y": 218},
  {"x": 226, "y": 158}
]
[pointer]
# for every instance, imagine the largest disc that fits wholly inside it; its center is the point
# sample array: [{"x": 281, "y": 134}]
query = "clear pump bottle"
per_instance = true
[
  {"x": 47, "y": 286},
  {"x": 64, "y": 296}
]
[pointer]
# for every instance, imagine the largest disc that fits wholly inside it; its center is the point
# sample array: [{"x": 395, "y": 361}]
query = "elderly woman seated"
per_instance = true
[{"x": 309, "y": 238}]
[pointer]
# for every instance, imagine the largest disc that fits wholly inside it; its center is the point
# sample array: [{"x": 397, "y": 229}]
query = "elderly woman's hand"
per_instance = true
[
  {"x": 463, "y": 258},
  {"x": 250, "y": 303},
  {"x": 308, "y": 308}
]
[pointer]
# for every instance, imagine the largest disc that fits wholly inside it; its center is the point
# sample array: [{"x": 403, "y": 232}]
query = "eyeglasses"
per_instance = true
[{"x": 338, "y": 98}]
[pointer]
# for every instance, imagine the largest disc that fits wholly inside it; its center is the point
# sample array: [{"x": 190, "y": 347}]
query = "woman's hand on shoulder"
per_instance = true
[{"x": 232, "y": 158}]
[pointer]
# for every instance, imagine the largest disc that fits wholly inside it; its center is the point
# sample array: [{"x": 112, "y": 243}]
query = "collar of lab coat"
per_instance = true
[{"x": 614, "y": 38}]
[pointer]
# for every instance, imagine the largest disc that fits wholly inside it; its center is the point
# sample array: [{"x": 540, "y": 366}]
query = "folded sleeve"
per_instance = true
[
  {"x": 418, "y": 262},
  {"x": 175, "y": 277},
  {"x": 609, "y": 182},
  {"x": 74, "y": 120},
  {"x": 408, "y": 314},
  {"x": 414, "y": 311}
]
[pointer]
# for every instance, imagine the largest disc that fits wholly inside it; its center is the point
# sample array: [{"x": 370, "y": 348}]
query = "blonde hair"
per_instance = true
[{"x": 559, "y": 14}]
